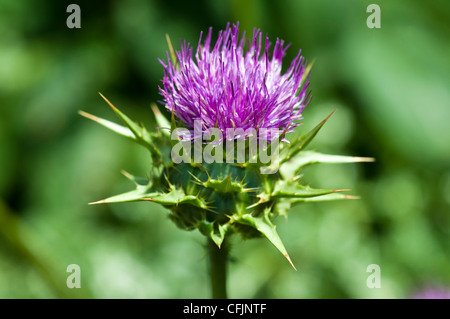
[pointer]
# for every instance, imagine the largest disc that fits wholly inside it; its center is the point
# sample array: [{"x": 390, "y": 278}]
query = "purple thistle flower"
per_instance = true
[
  {"x": 228, "y": 87},
  {"x": 432, "y": 293}
]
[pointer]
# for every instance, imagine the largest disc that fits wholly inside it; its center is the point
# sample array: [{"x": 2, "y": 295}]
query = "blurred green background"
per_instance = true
[{"x": 391, "y": 89}]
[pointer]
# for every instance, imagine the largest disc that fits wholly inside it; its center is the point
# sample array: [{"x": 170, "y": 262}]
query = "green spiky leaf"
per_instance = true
[
  {"x": 226, "y": 185},
  {"x": 223, "y": 186},
  {"x": 119, "y": 129},
  {"x": 293, "y": 189},
  {"x": 175, "y": 196},
  {"x": 173, "y": 56},
  {"x": 135, "y": 128},
  {"x": 214, "y": 231},
  {"x": 265, "y": 227},
  {"x": 292, "y": 167},
  {"x": 323, "y": 198},
  {"x": 283, "y": 205},
  {"x": 300, "y": 143},
  {"x": 131, "y": 196},
  {"x": 163, "y": 123},
  {"x": 138, "y": 181},
  {"x": 133, "y": 131}
]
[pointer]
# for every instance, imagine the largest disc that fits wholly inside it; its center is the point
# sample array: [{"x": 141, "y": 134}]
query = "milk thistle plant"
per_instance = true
[{"x": 230, "y": 107}]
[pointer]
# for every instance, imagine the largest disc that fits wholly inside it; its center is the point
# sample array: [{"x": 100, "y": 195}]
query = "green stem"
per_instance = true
[{"x": 218, "y": 258}]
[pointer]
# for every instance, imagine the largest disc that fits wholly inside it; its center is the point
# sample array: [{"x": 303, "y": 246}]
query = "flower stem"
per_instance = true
[{"x": 218, "y": 268}]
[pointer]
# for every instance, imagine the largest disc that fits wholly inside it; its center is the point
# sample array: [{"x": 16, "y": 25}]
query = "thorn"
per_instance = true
[
  {"x": 351, "y": 197},
  {"x": 261, "y": 200},
  {"x": 282, "y": 136},
  {"x": 326, "y": 119},
  {"x": 167, "y": 180},
  {"x": 364, "y": 159},
  {"x": 172, "y": 52},
  {"x": 251, "y": 189},
  {"x": 89, "y": 116},
  {"x": 173, "y": 116},
  {"x": 307, "y": 71},
  {"x": 107, "y": 101},
  {"x": 211, "y": 209},
  {"x": 103, "y": 201},
  {"x": 126, "y": 174},
  {"x": 196, "y": 178},
  {"x": 155, "y": 109},
  {"x": 176, "y": 168},
  {"x": 206, "y": 171},
  {"x": 341, "y": 190},
  {"x": 290, "y": 261}
]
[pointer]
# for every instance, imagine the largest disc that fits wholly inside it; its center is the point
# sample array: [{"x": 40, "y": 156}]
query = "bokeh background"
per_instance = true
[{"x": 389, "y": 85}]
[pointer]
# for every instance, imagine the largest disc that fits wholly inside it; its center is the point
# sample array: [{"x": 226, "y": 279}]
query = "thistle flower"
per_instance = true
[
  {"x": 228, "y": 87},
  {"x": 432, "y": 293}
]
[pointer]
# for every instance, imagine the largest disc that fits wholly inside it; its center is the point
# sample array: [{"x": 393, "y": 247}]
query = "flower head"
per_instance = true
[{"x": 226, "y": 86}]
